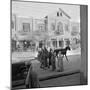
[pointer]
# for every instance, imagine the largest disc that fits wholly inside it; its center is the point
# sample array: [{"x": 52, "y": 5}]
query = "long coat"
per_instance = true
[
  {"x": 53, "y": 62},
  {"x": 60, "y": 63},
  {"x": 50, "y": 54},
  {"x": 32, "y": 80}
]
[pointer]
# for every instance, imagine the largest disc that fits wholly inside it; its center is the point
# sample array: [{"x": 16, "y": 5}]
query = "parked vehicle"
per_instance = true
[{"x": 19, "y": 72}]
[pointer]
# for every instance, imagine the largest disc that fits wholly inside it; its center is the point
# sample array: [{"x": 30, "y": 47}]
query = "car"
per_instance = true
[{"x": 19, "y": 72}]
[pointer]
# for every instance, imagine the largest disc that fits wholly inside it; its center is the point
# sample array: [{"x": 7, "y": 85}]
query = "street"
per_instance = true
[
  {"x": 71, "y": 66},
  {"x": 22, "y": 55},
  {"x": 46, "y": 42}
]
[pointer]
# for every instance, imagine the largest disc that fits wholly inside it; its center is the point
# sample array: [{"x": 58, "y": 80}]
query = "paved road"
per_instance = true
[{"x": 17, "y": 56}]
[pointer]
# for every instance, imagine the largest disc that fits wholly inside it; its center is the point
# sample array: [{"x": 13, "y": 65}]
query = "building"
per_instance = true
[
  {"x": 75, "y": 34},
  {"x": 13, "y": 33},
  {"x": 55, "y": 30},
  {"x": 59, "y": 29},
  {"x": 28, "y": 33}
]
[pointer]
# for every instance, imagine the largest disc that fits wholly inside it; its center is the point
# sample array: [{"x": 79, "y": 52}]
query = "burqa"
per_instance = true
[{"x": 32, "y": 80}]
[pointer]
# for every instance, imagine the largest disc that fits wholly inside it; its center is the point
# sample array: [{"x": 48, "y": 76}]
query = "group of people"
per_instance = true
[{"x": 49, "y": 59}]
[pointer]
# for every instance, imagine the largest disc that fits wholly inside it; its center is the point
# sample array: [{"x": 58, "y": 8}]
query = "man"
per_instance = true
[
  {"x": 60, "y": 62},
  {"x": 46, "y": 56},
  {"x": 42, "y": 57},
  {"x": 32, "y": 80},
  {"x": 53, "y": 60},
  {"x": 50, "y": 54}
]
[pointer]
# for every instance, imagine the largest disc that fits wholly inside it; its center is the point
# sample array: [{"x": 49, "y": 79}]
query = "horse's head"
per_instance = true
[{"x": 68, "y": 48}]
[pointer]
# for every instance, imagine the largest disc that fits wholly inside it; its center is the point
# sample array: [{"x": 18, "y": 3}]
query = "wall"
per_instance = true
[{"x": 84, "y": 43}]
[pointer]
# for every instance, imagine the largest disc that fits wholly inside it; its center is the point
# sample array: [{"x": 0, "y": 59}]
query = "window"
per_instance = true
[
  {"x": 12, "y": 25},
  {"x": 66, "y": 27},
  {"x": 67, "y": 42},
  {"x": 75, "y": 30},
  {"x": 61, "y": 43},
  {"x": 53, "y": 26},
  {"x": 41, "y": 27},
  {"x": 26, "y": 27},
  {"x": 54, "y": 42},
  {"x": 61, "y": 14},
  {"x": 57, "y": 13},
  {"x": 59, "y": 28}
]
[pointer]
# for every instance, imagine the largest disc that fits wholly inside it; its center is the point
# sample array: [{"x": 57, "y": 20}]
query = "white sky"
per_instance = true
[{"x": 40, "y": 10}]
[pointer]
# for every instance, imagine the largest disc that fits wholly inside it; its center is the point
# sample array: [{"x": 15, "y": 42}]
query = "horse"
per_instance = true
[{"x": 63, "y": 51}]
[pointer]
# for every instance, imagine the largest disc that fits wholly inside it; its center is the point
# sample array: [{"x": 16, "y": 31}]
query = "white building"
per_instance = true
[
  {"x": 59, "y": 29},
  {"x": 55, "y": 30},
  {"x": 28, "y": 30}
]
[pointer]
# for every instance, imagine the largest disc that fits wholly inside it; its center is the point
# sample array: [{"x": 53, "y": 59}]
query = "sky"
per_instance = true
[{"x": 40, "y": 10}]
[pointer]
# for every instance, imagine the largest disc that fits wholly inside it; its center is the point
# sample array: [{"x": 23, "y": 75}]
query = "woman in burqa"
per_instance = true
[{"x": 32, "y": 80}]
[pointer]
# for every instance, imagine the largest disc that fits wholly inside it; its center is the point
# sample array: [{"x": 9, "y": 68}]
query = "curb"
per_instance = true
[{"x": 61, "y": 74}]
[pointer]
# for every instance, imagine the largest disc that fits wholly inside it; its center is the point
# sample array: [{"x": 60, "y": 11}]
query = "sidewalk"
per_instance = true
[
  {"x": 71, "y": 67},
  {"x": 48, "y": 77}
]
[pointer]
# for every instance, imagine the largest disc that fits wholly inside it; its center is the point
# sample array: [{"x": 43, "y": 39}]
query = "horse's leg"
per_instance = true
[{"x": 66, "y": 57}]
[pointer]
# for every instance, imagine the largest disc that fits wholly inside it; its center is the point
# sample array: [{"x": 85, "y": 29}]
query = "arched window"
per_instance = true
[
  {"x": 54, "y": 43},
  {"x": 41, "y": 27},
  {"x": 61, "y": 43},
  {"x": 26, "y": 27},
  {"x": 66, "y": 27},
  {"x": 53, "y": 26},
  {"x": 59, "y": 28}
]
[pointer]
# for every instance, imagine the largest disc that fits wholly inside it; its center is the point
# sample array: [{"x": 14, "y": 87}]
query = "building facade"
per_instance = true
[
  {"x": 55, "y": 31},
  {"x": 59, "y": 29},
  {"x": 29, "y": 33}
]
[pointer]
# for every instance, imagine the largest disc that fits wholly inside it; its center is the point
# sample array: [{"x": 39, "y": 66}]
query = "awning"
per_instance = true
[{"x": 35, "y": 36}]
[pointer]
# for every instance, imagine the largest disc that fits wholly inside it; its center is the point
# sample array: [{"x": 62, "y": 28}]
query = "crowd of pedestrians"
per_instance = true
[{"x": 49, "y": 59}]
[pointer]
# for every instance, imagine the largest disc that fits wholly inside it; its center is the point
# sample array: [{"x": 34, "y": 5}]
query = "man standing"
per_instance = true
[
  {"x": 50, "y": 54},
  {"x": 46, "y": 56},
  {"x": 60, "y": 62},
  {"x": 53, "y": 59}
]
